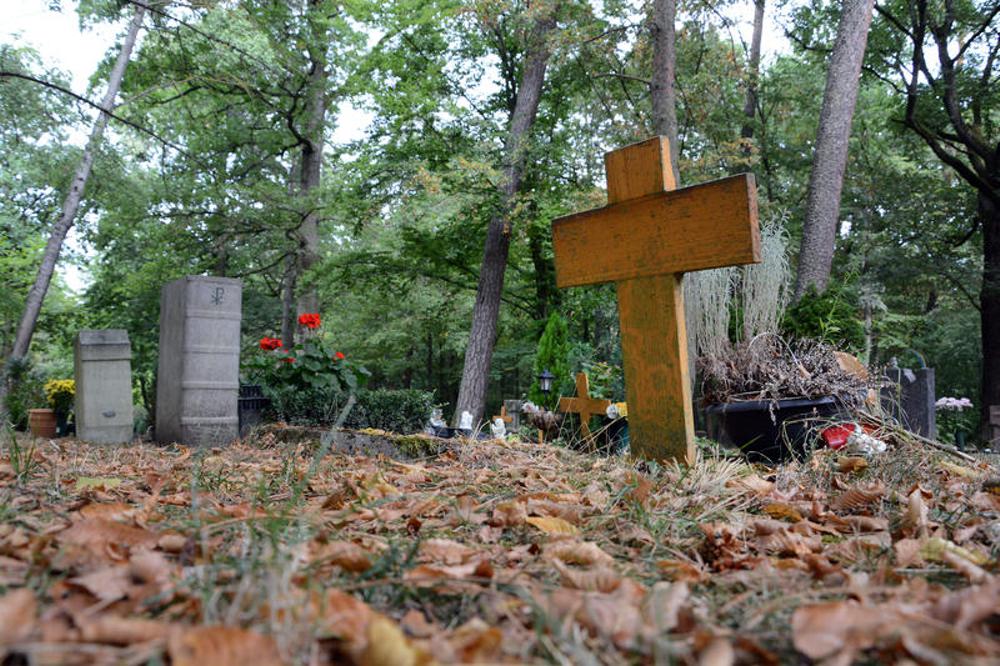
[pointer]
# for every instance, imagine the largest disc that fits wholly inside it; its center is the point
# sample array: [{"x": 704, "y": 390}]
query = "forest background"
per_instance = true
[{"x": 222, "y": 159}]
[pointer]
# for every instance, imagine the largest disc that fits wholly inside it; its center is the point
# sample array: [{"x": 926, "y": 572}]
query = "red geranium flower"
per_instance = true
[
  {"x": 339, "y": 356},
  {"x": 309, "y": 320},
  {"x": 270, "y": 344},
  {"x": 289, "y": 359}
]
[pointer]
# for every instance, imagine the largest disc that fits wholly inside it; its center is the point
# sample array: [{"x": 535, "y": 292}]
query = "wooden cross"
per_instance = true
[
  {"x": 583, "y": 404},
  {"x": 644, "y": 240},
  {"x": 503, "y": 415}
]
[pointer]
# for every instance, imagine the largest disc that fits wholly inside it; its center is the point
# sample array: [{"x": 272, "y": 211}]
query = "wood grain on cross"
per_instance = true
[
  {"x": 583, "y": 404},
  {"x": 644, "y": 240}
]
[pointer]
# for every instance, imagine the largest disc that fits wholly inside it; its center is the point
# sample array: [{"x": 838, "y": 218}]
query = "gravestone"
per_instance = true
[
  {"x": 198, "y": 378},
  {"x": 103, "y": 372},
  {"x": 644, "y": 240},
  {"x": 512, "y": 410},
  {"x": 909, "y": 398}
]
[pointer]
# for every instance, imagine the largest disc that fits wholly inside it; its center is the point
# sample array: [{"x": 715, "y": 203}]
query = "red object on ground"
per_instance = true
[
  {"x": 836, "y": 436},
  {"x": 339, "y": 356}
]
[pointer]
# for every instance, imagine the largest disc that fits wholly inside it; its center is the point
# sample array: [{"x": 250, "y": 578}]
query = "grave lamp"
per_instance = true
[{"x": 545, "y": 381}]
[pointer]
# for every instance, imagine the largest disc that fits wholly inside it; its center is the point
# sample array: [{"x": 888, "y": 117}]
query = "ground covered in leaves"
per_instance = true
[{"x": 264, "y": 553}]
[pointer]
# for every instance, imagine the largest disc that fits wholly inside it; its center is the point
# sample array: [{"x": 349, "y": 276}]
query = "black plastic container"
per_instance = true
[
  {"x": 771, "y": 431},
  {"x": 250, "y": 406}
]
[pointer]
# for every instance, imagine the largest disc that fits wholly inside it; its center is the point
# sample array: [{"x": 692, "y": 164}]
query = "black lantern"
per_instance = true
[{"x": 545, "y": 381}]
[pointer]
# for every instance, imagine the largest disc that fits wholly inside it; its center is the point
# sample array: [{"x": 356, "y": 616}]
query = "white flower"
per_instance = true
[{"x": 953, "y": 404}]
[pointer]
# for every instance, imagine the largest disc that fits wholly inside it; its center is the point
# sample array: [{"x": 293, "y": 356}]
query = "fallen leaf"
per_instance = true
[
  {"x": 446, "y": 551},
  {"x": 664, "y": 604},
  {"x": 857, "y": 498},
  {"x": 115, "y": 630},
  {"x": 387, "y": 646},
  {"x": 583, "y": 553},
  {"x": 415, "y": 624},
  {"x": 719, "y": 652},
  {"x": 600, "y": 579},
  {"x": 552, "y": 525},
  {"x": 754, "y": 484},
  {"x": 221, "y": 646},
  {"x": 680, "y": 570},
  {"x": 933, "y": 550},
  {"x": 347, "y": 555},
  {"x": 18, "y": 610},
  {"x": 96, "y": 483},
  {"x": 823, "y": 630},
  {"x": 782, "y": 511},
  {"x": 852, "y": 464},
  {"x": 509, "y": 514}
]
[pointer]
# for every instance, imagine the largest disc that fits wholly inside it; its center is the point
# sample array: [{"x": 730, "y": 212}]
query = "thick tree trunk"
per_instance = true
[
  {"x": 753, "y": 76},
  {"x": 482, "y": 336},
  {"x": 661, "y": 87},
  {"x": 826, "y": 181},
  {"x": 36, "y": 295},
  {"x": 989, "y": 304},
  {"x": 309, "y": 179}
]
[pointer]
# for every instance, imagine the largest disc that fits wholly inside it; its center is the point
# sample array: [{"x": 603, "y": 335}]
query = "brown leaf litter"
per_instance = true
[{"x": 495, "y": 552}]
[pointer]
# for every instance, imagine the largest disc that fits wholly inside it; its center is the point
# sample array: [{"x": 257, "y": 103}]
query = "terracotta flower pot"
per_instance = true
[{"x": 42, "y": 422}]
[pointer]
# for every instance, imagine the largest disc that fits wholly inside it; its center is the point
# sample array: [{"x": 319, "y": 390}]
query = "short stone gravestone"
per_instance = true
[
  {"x": 909, "y": 397},
  {"x": 103, "y": 371},
  {"x": 199, "y": 369}
]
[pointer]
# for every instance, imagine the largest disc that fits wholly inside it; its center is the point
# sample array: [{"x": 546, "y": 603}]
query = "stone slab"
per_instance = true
[
  {"x": 198, "y": 371},
  {"x": 103, "y": 372}
]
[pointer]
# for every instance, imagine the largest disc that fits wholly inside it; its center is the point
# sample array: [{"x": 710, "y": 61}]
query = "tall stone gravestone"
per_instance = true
[
  {"x": 199, "y": 370},
  {"x": 909, "y": 397},
  {"x": 103, "y": 402}
]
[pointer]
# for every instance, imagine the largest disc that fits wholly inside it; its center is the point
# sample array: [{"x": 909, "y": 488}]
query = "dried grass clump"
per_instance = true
[{"x": 769, "y": 368}]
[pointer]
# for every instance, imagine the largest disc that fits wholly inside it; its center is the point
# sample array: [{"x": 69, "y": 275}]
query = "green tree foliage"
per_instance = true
[
  {"x": 830, "y": 317},
  {"x": 552, "y": 356},
  {"x": 402, "y": 211}
]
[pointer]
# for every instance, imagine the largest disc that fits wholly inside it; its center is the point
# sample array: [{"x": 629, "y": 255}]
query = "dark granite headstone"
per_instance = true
[
  {"x": 909, "y": 397},
  {"x": 514, "y": 412}
]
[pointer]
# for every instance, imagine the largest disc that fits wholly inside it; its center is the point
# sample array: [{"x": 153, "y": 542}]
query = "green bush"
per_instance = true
[
  {"x": 307, "y": 384},
  {"x": 397, "y": 410},
  {"x": 552, "y": 355},
  {"x": 26, "y": 392},
  {"x": 830, "y": 317}
]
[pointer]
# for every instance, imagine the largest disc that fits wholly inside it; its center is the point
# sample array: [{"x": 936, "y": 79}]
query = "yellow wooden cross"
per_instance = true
[
  {"x": 503, "y": 415},
  {"x": 583, "y": 404},
  {"x": 644, "y": 240}
]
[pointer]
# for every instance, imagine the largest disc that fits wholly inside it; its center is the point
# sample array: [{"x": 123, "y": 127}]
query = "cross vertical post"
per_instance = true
[
  {"x": 583, "y": 405},
  {"x": 644, "y": 240}
]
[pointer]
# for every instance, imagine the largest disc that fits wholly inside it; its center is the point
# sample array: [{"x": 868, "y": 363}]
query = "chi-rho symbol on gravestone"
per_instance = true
[{"x": 644, "y": 240}]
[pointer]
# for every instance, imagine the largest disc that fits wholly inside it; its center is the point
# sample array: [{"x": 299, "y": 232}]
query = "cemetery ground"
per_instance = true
[{"x": 271, "y": 551}]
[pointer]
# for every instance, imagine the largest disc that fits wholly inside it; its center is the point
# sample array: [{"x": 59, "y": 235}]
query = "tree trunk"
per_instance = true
[
  {"x": 482, "y": 336},
  {"x": 309, "y": 178},
  {"x": 753, "y": 76},
  {"x": 661, "y": 87},
  {"x": 36, "y": 295},
  {"x": 826, "y": 181},
  {"x": 989, "y": 307}
]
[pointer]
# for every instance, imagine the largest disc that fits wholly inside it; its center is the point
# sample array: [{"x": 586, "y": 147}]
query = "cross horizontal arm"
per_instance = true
[{"x": 699, "y": 227}]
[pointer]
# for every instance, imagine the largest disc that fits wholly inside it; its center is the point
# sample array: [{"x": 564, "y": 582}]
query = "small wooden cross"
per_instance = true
[
  {"x": 644, "y": 240},
  {"x": 583, "y": 404},
  {"x": 503, "y": 415}
]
